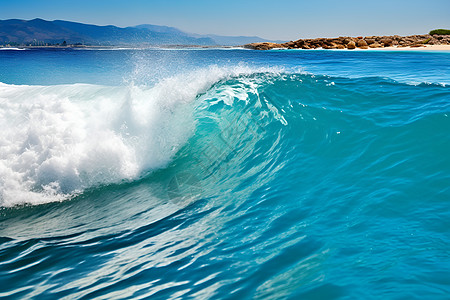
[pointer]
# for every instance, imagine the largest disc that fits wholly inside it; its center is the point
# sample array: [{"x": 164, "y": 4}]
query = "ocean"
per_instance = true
[{"x": 224, "y": 174}]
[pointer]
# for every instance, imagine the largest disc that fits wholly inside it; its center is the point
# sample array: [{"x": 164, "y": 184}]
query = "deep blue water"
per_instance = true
[{"x": 224, "y": 174}]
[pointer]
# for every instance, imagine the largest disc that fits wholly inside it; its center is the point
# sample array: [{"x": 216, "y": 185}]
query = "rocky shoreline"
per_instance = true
[{"x": 357, "y": 42}]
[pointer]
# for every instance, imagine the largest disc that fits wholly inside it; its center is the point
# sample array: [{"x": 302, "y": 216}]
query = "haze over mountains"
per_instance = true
[{"x": 41, "y": 32}]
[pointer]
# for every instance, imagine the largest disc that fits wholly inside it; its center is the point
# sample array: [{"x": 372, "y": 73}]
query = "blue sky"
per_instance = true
[{"x": 279, "y": 19}]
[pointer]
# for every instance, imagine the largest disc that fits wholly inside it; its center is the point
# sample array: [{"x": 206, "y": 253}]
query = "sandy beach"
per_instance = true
[{"x": 426, "y": 48}]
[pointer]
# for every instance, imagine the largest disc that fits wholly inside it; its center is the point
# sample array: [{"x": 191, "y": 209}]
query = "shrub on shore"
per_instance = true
[{"x": 440, "y": 32}]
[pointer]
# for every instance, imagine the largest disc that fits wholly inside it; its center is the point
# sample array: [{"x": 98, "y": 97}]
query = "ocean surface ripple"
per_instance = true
[{"x": 226, "y": 182}]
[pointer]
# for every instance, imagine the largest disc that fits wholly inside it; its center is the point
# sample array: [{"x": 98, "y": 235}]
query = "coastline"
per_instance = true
[
  {"x": 363, "y": 43},
  {"x": 425, "y": 48},
  {"x": 444, "y": 48},
  {"x": 121, "y": 47}
]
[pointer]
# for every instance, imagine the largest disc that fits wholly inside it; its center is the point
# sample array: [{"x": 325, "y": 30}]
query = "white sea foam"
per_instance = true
[
  {"x": 57, "y": 141},
  {"x": 12, "y": 48}
]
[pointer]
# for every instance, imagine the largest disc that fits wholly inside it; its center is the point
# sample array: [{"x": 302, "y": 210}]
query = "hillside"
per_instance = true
[
  {"x": 38, "y": 31},
  {"x": 42, "y": 32}
]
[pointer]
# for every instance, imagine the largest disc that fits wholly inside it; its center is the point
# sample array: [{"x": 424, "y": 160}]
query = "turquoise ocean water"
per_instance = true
[{"x": 224, "y": 174}]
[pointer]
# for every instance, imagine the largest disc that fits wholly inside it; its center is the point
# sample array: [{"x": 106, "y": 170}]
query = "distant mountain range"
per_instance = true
[{"x": 41, "y": 32}]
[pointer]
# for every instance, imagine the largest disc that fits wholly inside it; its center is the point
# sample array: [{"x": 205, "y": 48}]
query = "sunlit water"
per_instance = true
[{"x": 224, "y": 174}]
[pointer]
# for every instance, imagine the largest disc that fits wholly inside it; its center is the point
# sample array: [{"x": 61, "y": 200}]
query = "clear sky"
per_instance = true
[{"x": 273, "y": 19}]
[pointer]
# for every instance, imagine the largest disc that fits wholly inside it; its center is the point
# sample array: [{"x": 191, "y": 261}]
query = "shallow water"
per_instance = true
[{"x": 230, "y": 174}]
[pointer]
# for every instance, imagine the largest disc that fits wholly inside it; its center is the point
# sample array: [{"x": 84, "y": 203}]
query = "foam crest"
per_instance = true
[{"x": 59, "y": 140}]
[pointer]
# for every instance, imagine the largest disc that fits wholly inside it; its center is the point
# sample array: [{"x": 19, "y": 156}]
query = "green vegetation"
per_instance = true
[{"x": 440, "y": 31}]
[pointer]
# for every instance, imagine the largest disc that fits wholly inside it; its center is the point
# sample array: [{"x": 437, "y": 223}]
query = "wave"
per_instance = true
[
  {"x": 12, "y": 48},
  {"x": 61, "y": 140},
  {"x": 162, "y": 48}
]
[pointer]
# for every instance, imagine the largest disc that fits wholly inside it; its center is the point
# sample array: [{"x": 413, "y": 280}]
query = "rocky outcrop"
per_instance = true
[
  {"x": 375, "y": 45},
  {"x": 351, "y": 45},
  {"x": 358, "y": 42},
  {"x": 361, "y": 43},
  {"x": 267, "y": 46}
]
